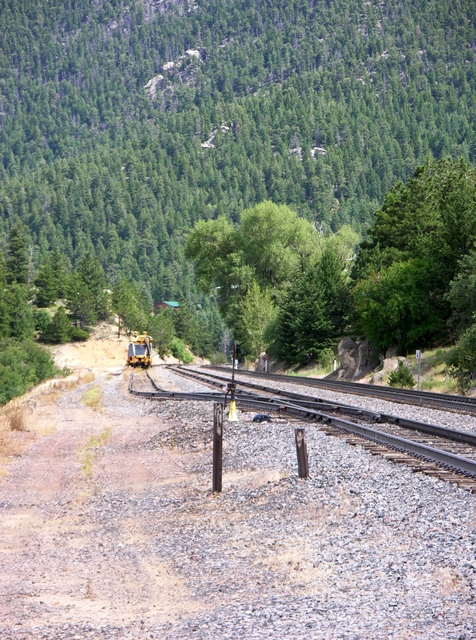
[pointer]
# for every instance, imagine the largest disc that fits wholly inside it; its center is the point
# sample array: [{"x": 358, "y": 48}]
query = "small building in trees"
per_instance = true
[{"x": 166, "y": 304}]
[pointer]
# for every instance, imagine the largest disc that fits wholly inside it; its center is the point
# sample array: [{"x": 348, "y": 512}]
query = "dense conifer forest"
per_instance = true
[{"x": 124, "y": 123}]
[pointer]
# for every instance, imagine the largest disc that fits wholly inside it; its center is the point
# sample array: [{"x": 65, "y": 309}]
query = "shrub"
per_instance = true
[
  {"x": 60, "y": 328},
  {"x": 218, "y": 358},
  {"x": 402, "y": 377},
  {"x": 78, "y": 334},
  {"x": 42, "y": 321},
  {"x": 22, "y": 365},
  {"x": 326, "y": 358},
  {"x": 462, "y": 360},
  {"x": 180, "y": 351},
  {"x": 16, "y": 418}
]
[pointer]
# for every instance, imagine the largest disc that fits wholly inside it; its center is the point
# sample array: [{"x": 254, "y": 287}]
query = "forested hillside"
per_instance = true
[{"x": 125, "y": 122}]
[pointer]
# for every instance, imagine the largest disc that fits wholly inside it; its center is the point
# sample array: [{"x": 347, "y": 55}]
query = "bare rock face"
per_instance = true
[
  {"x": 389, "y": 364},
  {"x": 355, "y": 359},
  {"x": 392, "y": 352},
  {"x": 260, "y": 363}
]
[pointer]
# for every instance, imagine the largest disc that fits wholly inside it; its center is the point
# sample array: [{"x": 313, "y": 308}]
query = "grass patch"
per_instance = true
[
  {"x": 312, "y": 372},
  {"x": 13, "y": 417},
  {"x": 440, "y": 385},
  {"x": 92, "y": 398},
  {"x": 14, "y": 431},
  {"x": 434, "y": 371},
  {"x": 16, "y": 418},
  {"x": 87, "y": 377},
  {"x": 91, "y": 451}
]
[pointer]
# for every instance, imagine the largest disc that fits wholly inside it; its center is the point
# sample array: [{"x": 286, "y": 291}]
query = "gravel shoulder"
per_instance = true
[{"x": 109, "y": 529}]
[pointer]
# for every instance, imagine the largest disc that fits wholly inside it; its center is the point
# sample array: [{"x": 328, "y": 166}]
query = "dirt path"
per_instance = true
[{"x": 61, "y": 560}]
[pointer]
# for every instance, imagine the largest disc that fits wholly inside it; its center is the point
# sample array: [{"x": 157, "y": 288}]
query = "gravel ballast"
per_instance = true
[
  {"x": 364, "y": 548},
  {"x": 451, "y": 420}
]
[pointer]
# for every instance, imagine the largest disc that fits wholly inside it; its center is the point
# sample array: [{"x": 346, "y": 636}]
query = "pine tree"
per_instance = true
[
  {"x": 91, "y": 274},
  {"x": 161, "y": 328},
  {"x": 60, "y": 270},
  {"x": 80, "y": 302},
  {"x": 20, "y": 313},
  {"x": 60, "y": 329},
  {"x": 46, "y": 284},
  {"x": 304, "y": 326},
  {"x": 3, "y": 271},
  {"x": 17, "y": 256}
]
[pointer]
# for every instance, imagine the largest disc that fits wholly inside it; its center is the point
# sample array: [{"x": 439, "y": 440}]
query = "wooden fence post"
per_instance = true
[
  {"x": 301, "y": 449},
  {"x": 217, "y": 446}
]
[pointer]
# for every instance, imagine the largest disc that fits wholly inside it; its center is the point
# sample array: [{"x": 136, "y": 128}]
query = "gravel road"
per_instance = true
[{"x": 109, "y": 530}]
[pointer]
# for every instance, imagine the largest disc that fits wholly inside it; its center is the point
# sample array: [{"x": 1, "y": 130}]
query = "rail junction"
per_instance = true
[{"x": 435, "y": 450}]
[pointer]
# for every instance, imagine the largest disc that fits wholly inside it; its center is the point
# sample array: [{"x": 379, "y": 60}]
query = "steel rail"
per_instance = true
[
  {"x": 249, "y": 400},
  {"x": 449, "y": 461},
  {"x": 320, "y": 403},
  {"x": 424, "y": 427},
  {"x": 443, "y": 400}
]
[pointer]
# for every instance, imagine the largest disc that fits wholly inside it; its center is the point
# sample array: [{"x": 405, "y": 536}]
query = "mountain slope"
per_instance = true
[{"x": 319, "y": 105}]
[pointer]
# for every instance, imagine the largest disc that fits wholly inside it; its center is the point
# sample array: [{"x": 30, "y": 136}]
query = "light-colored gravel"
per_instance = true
[{"x": 364, "y": 549}]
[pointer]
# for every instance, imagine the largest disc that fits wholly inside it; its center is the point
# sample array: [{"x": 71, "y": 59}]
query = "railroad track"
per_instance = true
[
  {"x": 444, "y": 401},
  {"x": 434, "y": 450}
]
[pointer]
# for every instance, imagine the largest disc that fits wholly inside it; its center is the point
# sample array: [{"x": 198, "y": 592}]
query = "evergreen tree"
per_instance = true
[
  {"x": 60, "y": 329},
  {"x": 17, "y": 256},
  {"x": 91, "y": 274},
  {"x": 130, "y": 307},
  {"x": 305, "y": 329},
  {"x": 3, "y": 271},
  {"x": 462, "y": 359},
  {"x": 337, "y": 292},
  {"x": 80, "y": 302},
  {"x": 60, "y": 271},
  {"x": 20, "y": 313},
  {"x": 4, "y": 307},
  {"x": 414, "y": 251},
  {"x": 162, "y": 329},
  {"x": 462, "y": 295},
  {"x": 46, "y": 284}
]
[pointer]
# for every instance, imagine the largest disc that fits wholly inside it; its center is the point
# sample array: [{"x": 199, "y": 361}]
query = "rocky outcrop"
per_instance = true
[
  {"x": 389, "y": 365},
  {"x": 355, "y": 359},
  {"x": 151, "y": 86}
]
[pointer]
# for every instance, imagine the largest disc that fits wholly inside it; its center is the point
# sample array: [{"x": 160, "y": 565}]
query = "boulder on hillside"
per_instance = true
[
  {"x": 389, "y": 365},
  {"x": 356, "y": 359}
]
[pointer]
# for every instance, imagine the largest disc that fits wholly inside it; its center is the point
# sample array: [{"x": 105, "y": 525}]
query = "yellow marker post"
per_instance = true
[{"x": 232, "y": 414}]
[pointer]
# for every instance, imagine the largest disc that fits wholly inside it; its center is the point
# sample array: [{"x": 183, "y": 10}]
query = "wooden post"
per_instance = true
[
  {"x": 301, "y": 449},
  {"x": 217, "y": 446}
]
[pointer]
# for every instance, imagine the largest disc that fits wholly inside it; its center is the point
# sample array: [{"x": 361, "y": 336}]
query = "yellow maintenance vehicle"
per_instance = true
[{"x": 139, "y": 351}]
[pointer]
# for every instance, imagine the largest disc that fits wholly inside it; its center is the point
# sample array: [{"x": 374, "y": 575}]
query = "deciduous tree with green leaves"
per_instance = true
[
  {"x": 256, "y": 322},
  {"x": 414, "y": 251}
]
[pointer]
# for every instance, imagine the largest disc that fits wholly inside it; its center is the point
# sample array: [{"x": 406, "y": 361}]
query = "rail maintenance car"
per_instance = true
[{"x": 139, "y": 351}]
